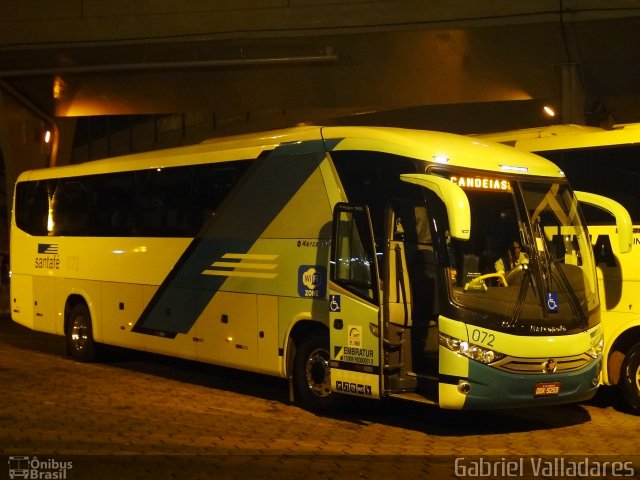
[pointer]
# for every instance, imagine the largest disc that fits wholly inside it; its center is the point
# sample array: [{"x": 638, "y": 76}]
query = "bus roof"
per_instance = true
[
  {"x": 565, "y": 137},
  {"x": 432, "y": 147}
]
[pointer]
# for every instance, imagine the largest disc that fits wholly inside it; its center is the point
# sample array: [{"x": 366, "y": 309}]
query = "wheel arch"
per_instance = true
[
  {"x": 618, "y": 351},
  {"x": 73, "y": 300},
  {"x": 299, "y": 331}
]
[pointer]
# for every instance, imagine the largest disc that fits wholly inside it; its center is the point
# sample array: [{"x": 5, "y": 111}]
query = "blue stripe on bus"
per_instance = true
[{"x": 237, "y": 224}]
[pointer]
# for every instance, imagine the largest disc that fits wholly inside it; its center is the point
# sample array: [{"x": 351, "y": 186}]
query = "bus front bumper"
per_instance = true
[{"x": 487, "y": 388}]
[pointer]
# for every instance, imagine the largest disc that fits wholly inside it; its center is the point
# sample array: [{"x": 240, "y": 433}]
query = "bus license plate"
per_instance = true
[{"x": 547, "y": 389}]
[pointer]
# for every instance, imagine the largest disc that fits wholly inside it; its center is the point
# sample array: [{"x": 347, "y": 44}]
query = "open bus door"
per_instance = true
[
  {"x": 354, "y": 304},
  {"x": 371, "y": 310}
]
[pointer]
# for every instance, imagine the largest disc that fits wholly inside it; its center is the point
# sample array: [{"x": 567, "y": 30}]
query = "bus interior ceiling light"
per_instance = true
[{"x": 549, "y": 111}]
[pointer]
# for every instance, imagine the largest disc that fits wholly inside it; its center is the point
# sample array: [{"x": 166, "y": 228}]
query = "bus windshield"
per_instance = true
[
  {"x": 562, "y": 242},
  {"x": 528, "y": 264}
]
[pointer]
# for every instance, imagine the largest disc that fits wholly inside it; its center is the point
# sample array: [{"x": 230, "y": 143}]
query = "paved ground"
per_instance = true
[{"x": 146, "y": 416}]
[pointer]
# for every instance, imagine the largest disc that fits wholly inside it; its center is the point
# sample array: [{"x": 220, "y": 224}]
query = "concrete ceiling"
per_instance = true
[{"x": 464, "y": 66}]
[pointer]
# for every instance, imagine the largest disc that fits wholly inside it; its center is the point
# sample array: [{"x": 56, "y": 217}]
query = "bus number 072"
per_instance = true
[{"x": 484, "y": 338}]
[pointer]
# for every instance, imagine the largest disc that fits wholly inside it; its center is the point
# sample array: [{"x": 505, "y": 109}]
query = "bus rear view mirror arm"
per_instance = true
[
  {"x": 623, "y": 219},
  {"x": 454, "y": 198}
]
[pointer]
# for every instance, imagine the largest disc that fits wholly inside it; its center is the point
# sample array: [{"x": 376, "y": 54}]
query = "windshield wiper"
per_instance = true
[
  {"x": 522, "y": 296},
  {"x": 564, "y": 281},
  {"x": 561, "y": 279}
]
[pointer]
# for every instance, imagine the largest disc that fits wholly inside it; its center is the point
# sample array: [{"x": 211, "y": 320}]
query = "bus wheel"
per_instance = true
[
  {"x": 80, "y": 344},
  {"x": 312, "y": 374},
  {"x": 630, "y": 379}
]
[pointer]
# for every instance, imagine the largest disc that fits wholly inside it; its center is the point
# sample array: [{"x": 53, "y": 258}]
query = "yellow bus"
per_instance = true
[
  {"x": 604, "y": 161},
  {"x": 350, "y": 260}
]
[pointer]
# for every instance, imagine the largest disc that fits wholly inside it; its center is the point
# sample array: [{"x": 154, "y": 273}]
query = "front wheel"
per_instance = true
[
  {"x": 630, "y": 378},
  {"x": 80, "y": 344},
  {"x": 312, "y": 375}
]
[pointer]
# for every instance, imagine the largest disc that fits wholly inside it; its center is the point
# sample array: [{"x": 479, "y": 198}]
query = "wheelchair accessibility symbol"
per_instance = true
[
  {"x": 552, "y": 302},
  {"x": 334, "y": 303}
]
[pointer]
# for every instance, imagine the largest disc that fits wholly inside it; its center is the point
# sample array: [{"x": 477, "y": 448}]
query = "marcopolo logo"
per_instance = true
[
  {"x": 38, "y": 469},
  {"x": 312, "y": 281}
]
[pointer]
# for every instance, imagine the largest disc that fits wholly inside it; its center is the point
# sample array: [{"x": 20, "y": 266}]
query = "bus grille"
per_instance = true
[{"x": 538, "y": 365}]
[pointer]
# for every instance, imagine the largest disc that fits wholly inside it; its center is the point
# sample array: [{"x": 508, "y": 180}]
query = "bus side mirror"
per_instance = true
[
  {"x": 623, "y": 219},
  {"x": 454, "y": 198}
]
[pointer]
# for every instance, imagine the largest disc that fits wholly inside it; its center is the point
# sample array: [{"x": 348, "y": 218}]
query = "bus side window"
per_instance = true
[
  {"x": 211, "y": 185},
  {"x": 163, "y": 201},
  {"x": 72, "y": 204},
  {"x": 32, "y": 207},
  {"x": 353, "y": 265},
  {"x": 116, "y": 204}
]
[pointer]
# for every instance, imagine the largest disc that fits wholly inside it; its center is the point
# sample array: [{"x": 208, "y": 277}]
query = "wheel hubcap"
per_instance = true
[
  {"x": 79, "y": 333},
  {"x": 318, "y": 373}
]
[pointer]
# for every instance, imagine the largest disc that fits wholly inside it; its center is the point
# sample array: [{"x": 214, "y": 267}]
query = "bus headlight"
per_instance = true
[
  {"x": 470, "y": 350},
  {"x": 596, "y": 350}
]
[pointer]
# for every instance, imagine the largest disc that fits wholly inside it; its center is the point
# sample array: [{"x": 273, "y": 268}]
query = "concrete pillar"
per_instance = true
[
  {"x": 573, "y": 97},
  {"x": 22, "y": 147}
]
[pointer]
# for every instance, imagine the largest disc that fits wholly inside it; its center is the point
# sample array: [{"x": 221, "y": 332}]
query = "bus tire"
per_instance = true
[
  {"x": 80, "y": 343},
  {"x": 630, "y": 378},
  {"x": 312, "y": 375}
]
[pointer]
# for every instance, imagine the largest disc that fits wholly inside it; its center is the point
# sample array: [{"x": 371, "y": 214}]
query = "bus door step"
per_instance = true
[{"x": 413, "y": 397}]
